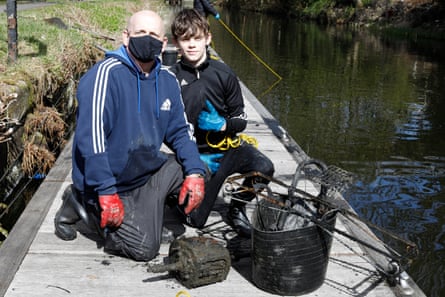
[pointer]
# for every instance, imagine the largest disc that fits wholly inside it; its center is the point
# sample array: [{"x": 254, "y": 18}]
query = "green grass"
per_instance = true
[
  {"x": 110, "y": 19},
  {"x": 60, "y": 41}
]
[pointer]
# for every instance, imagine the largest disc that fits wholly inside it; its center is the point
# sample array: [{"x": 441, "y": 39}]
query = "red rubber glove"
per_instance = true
[
  {"x": 112, "y": 210},
  {"x": 193, "y": 188}
]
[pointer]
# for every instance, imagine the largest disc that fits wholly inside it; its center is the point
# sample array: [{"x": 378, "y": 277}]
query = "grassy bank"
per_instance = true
[{"x": 56, "y": 44}]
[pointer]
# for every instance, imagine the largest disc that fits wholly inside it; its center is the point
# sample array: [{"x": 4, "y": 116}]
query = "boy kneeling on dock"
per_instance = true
[{"x": 214, "y": 105}]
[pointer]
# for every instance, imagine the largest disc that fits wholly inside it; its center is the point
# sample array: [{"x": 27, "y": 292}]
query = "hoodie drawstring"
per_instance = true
[
  {"x": 157, "y": 95},
  {"x": 139, "y": 94},
  {"x": 122, "y": 54}
]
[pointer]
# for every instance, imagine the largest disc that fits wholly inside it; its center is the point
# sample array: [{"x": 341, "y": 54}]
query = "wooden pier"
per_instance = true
[{"x": 34, "y": 262}]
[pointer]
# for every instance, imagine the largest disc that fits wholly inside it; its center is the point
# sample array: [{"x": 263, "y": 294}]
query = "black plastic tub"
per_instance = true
[{"x": 289, "y": 262}]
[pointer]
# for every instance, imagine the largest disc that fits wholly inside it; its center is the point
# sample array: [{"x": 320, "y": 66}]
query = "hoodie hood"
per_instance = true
[
  {"x": 117, "y": 142},
  {"x": 122, "y": 55}
]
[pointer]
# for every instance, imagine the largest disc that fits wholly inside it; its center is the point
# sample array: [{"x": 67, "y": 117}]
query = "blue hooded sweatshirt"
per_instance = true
[{"x": 123, "y": 117}]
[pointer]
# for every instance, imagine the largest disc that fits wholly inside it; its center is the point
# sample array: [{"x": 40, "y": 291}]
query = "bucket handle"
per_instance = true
[{"x": 299, "y": 173}]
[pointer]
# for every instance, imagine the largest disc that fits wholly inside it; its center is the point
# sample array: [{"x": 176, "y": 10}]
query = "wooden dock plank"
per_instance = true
[{"x": 16, "y": 246}]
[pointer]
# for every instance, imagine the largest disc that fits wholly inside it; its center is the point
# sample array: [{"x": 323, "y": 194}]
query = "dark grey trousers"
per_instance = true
[{"x": 139, "y": 236}]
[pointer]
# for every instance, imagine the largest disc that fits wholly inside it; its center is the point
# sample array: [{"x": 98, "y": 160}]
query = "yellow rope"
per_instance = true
[
  {"x": 249, "y": 50},
  {"x": 255, "y": 55},
  {"x": 183, "y": 292},
  {"x": 228, "y": 142}
]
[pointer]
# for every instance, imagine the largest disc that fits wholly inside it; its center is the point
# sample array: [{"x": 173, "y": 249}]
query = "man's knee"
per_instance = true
[
  {"x": 137, "y": 253},
  {"x": 130, "y": 247},
  {"x": 145, "y": 253}
]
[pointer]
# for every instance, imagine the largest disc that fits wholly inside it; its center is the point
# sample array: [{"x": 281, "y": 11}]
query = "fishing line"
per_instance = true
[{"x": 279, "y": 78}]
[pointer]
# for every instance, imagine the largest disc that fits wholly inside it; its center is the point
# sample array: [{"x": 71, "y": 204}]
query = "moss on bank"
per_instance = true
[{"x": 57, "y": 42}]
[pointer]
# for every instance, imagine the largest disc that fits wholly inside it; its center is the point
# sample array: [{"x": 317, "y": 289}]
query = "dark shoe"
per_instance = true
[
  {"x": 69, "y": 213},
  {"x": 238, "y": 220}
]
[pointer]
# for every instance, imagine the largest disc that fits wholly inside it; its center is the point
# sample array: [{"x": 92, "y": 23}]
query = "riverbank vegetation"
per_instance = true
[
  {"x": 56, "y": 44},
  {"x": 407, "y": 18},
  {"x": 52, "y": 51}
]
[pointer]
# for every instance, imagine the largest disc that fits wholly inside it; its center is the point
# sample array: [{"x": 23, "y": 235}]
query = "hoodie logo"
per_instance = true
[
  {"x": 166, "y": 105},
  {"x": 184, "y": 82}
]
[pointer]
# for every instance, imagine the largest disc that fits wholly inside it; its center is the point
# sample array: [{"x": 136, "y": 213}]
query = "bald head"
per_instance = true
[
  {"x": 140, "y": 37},
  {"x": 146, "y": 20}
]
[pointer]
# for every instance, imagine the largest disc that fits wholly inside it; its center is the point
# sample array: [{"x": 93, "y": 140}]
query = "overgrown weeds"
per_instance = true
[
  {"x": 51, "y": 52},
  {"x": 56, "y": 44}
]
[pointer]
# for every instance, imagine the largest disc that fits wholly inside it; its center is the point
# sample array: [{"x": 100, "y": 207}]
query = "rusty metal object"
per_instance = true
[
  {"x": 196, "y": 261},
  {"x": 11, "y": 10}
]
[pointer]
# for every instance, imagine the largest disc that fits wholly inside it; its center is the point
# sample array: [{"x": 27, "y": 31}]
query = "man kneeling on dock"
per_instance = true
[{"x": 128, "y": 107}]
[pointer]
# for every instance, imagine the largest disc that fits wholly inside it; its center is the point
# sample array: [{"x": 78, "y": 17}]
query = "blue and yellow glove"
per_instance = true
[
  {"x": 212, "y": 161},
  {"x": 210, "y": 120}
]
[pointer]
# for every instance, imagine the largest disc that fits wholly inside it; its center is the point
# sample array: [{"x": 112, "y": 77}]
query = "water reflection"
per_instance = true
[
  {"x": 371, "y": 105},
  {"x": 417, "y": 123}
]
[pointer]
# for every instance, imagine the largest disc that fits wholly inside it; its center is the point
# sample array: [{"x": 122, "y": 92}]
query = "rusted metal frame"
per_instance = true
[
  {"x": 411, "y": 247},
  {"x": 11, "y": 11}
]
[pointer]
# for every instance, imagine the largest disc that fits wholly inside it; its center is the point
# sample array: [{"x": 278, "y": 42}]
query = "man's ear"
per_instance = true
[
  {"x": 164, "y": 43},
  {"x": 125, "y": 37}
]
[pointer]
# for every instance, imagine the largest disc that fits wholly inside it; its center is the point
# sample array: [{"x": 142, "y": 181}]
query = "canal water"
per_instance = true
[{"x": 371, "y": 105}]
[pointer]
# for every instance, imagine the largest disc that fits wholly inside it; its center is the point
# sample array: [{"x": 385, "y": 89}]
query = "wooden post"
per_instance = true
[{"x": 11, "y": 11}]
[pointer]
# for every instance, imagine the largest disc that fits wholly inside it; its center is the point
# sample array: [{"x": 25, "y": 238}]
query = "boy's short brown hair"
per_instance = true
[{"x": 188, "y": 23}]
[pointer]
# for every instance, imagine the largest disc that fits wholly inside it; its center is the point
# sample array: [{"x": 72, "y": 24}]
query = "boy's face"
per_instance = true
[{"x": 193, "y": 49}]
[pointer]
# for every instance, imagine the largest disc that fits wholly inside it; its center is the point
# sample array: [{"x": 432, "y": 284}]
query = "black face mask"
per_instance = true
[{"x": 145, "y": 48}]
